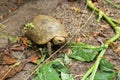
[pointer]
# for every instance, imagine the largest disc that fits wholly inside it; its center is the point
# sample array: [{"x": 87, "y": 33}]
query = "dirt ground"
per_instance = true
[{"x": 14, "y": 14}]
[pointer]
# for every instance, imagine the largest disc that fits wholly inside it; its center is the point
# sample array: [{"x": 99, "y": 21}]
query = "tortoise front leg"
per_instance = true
[{"x": 49, "y": 48}]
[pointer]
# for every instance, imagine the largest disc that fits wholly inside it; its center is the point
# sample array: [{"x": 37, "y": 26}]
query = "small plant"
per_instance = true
[{"x": 28, "y": 26}]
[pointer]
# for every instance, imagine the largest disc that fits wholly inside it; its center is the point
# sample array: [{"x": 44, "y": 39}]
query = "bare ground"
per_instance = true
[{"x": 60, "y": 9}]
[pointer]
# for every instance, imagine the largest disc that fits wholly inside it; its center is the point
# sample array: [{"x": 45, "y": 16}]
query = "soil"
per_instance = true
[{"x": 15, "y": 13}]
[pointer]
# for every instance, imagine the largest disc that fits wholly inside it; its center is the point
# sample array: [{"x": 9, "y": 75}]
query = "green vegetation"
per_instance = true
[
  {"x": 100, "y": 70},
  {"x": 54, "y": 70},
  {"x": 112, "y": 4}
]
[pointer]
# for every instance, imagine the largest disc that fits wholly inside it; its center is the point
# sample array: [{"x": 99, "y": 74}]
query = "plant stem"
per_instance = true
[
  {"x": 88, "y": 73},
  {"x": 94, "y": 68},
  {"x": 97, "y": 63}
]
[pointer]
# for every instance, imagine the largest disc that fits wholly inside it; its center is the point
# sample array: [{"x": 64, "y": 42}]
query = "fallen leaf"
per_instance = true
[
  {"x": 2, "y": 17},
  {"x": 6, "y": 56},
  {"x": 117, "y": 51},
  {"x": 60, "y": 20},
  {"x": 34, "y": 57},
  {"x": 115, "y": 48},
  {"x": 68, "y": 51},
  {"x": 95, "y": 33},
  {"x": 14, "y": 8},
  {"x": 78, "y": 40},
  {"x": 6, "y": 59},
  {"x": 76, "y": 9},
  {"x": 17, "y": 47},
  {"x": 6, "y": 71},
  {"x": 25, "y": 41},
  {"x": 103, "y": 27}
]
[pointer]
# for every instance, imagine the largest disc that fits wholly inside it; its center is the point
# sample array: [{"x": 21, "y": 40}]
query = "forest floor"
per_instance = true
[{"x": 15, "y": 13}]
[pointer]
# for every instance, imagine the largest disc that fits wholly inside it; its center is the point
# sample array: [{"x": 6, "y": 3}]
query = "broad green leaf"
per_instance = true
[
  {"x": 52, "y": 71},
  {"x": 106, "y": 65},
  {"x": 59, "y": 66},
  {"x": 104, "y": 75},
  {"x": 118, "y": 76},
  {"x": 66, "y": 76},
  {"x": 47, "y": 72},
  {"x": 84, "y": 52}
]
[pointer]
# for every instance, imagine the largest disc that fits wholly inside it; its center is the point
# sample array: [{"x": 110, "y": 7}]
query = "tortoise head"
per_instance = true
[{"x": 59, "y": 40}]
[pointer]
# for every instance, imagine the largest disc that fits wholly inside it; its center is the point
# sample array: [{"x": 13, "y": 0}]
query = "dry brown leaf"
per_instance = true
[
  {"x": 25, "y": 41},
  {"x": 67, "y": 51},
  {"x": 13, "y": 8},
  {"x": 17, "y": 47},
  {"x": 76, "y": 9},
  {"x": 91, "y": 38},
  {"x": 117, "y": 51},
  {"x": 6, "y": 71},
  {"x": 7, "y": 59},
  {"x": 103, "y": 27},
  {"x": 78, "y": 40},
  {"x": 34, "y": 58},
  {"x": 95, "y": 33},
  {"x": 60, "y": 20},
  {"x": 115, "y": 48},
  {"x": 2, "y": 17}
]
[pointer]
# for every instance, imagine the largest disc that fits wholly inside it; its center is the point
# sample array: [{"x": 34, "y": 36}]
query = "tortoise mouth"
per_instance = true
[{"x": 59, "y": 40}]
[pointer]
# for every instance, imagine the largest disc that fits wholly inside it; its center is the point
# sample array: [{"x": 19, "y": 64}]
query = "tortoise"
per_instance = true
[{"x": 48, "y": 31}]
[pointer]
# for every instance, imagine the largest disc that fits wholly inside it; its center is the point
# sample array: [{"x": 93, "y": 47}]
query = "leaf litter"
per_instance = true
[{"x": 64, "y": 73}]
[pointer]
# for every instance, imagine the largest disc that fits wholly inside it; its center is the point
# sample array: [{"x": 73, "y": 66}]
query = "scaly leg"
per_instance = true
[{"x": 49, "y": 48}]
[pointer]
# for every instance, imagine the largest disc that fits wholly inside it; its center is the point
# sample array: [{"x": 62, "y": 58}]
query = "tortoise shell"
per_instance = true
[{"x": 46, "y": 28}]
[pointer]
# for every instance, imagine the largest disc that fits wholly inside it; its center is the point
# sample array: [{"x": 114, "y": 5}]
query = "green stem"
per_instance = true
[
  {"x": 113, "y": 4},
  {"x": 94, "y": 68},
  {"x": 88, "y": 73},
  {"x": 97, "y": 63},
  {"x": 113, "y": 38}
]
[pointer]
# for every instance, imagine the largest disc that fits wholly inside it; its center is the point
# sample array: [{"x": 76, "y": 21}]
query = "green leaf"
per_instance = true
[
  {"x": 118, "y": 76},
  {"x": 84, "y": 52},
  {"x": 59, "y": 66},
  {"x": 65, "y": 76},
  {"x": 104, "y": 75},
  {"x": 52, "y": 71},
  {"x": 106, "y": 65},
  {"x": 47, "y": 72}
]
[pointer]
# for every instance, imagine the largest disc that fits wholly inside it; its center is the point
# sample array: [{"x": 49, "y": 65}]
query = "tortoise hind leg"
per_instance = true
[{"x": 49, "y": 48}]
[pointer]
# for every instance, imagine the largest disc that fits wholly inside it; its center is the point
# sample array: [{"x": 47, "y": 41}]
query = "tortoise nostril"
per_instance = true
[{"x": 60, "y": 40}]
